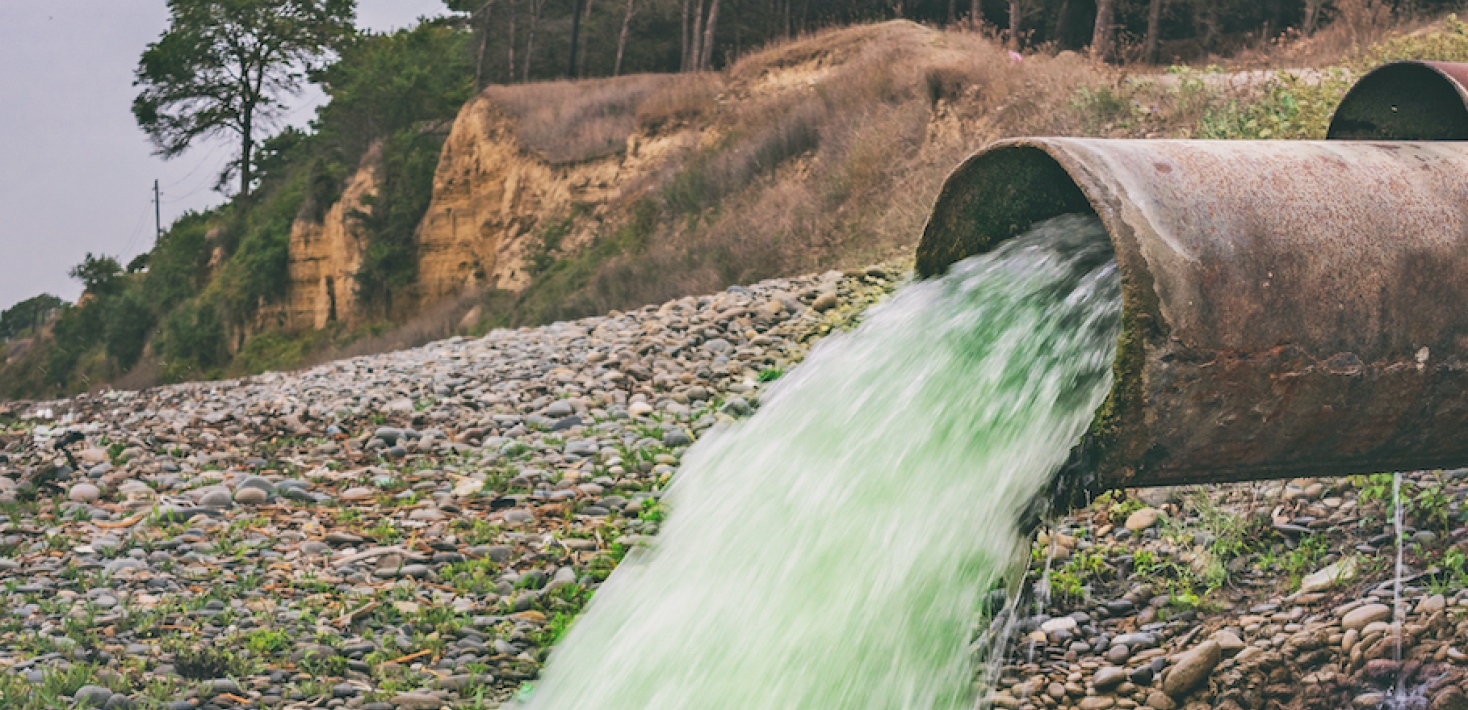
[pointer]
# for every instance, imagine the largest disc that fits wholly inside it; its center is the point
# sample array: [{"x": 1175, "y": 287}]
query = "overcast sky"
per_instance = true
[{"x": 76, "y": 174}]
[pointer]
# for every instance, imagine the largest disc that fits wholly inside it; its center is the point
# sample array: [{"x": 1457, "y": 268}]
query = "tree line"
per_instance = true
[
  {"x": 224, "y": 66},
  {"x": 531, "y": 40}
]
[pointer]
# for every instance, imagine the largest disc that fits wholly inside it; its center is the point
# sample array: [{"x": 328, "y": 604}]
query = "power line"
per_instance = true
[
  {"x": 197, "y": 188},
  {"x": 202, "y": 162},
  {"x": 138, "y": 228}
]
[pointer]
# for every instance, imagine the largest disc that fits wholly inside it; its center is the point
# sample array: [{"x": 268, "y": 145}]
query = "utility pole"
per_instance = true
[{"x": 157, "y": 214}]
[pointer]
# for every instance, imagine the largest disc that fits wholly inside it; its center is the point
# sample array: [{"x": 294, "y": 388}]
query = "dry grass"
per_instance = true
[
  {"x": 1354, "y": 26},
  {"x": 571, "y": 121},
  {"x": 831, "y": 150},
  {"x": 683, "y": 99},
  {"x": 827, "y": 47},
  {"x": 823, "y": 152}
]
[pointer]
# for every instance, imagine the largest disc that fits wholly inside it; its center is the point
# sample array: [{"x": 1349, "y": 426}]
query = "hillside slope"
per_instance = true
[
  {"x": 612, "y": 193},
  {"x": 555, "y": 200}
]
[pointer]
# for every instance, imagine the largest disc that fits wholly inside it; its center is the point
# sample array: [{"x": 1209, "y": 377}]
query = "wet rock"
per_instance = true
[
  {"x": 738, "y": 407},
  {"x": 1109, "y": 677},
  {"x": 1431, "y": 605},
  {"x": 1329, "y": 576},
  {"x": 1192, "y": 669},
  {"x": 1361, "y": 616},
  {"x": 1450, "y": 698},
  {"x": 1372, "y": 699},
  {"x": 1229, "y": 642},
  {"x": 1381, "y": 669}
]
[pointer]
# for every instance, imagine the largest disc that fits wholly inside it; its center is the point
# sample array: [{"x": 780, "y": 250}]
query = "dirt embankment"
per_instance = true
[{"x": 586, "y": 196}]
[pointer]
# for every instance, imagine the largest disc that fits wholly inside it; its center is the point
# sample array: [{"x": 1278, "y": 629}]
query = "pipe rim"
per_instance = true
[
  {"x": 1405, "y": 100},
  {"x": 1119, "y": 417}
]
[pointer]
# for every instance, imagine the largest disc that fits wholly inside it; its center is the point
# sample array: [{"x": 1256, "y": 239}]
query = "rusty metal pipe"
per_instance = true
[{"x": 1290, "y": 308}]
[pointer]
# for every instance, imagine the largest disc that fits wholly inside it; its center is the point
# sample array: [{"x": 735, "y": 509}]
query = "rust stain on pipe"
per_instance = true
[{"x": 1290, "y": 308}]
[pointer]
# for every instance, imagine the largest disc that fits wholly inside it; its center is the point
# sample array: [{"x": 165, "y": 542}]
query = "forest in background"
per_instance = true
[{"x": 189, "y": 308}]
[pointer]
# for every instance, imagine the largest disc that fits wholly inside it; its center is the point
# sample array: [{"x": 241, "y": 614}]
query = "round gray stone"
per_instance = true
[
  {"x": 250, "y": 496},
  {"x": 85, "y": 493}
]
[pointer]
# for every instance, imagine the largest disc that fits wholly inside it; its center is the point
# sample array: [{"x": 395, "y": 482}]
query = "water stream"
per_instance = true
[
  {"x": 832, "y": 551},
  {"x": 1398, "y": 699},
  {"x": 1397, "y": 612}
]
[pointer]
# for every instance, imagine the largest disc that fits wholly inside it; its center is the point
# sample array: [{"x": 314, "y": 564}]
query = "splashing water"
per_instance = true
[{"x": 832, "y": 550}]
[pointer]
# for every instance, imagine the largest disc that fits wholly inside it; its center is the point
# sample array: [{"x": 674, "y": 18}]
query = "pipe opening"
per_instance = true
[
  {"x": 998, "y": 194},
  {"x": 1001, "y": 194},
  {"x": 1405, "y": 101}
]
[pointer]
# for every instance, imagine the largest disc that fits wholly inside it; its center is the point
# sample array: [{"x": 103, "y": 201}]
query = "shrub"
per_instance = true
[
  {"x": 28, "y": 316},
  {"x": 179, "y": 265},
  {"x": 192, "y": 342},
  {"x": 390, "y": 222},
  {"x": 129, "y": 320}
]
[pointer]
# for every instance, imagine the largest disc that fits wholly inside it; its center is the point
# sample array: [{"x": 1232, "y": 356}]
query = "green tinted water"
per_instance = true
[{"x": 830, "y": 552}]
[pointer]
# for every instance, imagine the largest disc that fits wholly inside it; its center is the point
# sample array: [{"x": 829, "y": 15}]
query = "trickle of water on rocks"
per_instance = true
[
  {"x": 832, "y": 550},
  {"x": 1399, "y": 699}
]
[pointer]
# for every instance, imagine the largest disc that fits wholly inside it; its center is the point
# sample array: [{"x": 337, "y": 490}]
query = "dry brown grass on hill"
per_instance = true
[
  {"x": 1358, "y": 25},
  {"x": 570, "y": 121},
  {"x": 825, "y": 151},
  {"x": 683, "y": 99},
  {"x": 824, "y": 48}
]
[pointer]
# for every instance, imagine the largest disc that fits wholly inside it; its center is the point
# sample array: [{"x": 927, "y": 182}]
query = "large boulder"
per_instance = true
[{"x": 1192, "y": 669}]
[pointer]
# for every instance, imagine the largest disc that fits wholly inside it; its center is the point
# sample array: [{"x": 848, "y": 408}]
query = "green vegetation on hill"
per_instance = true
[
  {"x": 1280, "y": 105},
  {"x": 191, "y": 300},
  {"x": 25, "y": 318}
]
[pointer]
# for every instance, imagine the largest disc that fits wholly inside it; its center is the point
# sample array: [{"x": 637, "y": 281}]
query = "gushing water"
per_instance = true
[{"x": 831, "y": 551}]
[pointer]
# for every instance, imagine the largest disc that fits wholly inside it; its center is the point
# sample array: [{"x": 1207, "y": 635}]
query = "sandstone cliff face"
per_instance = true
[
  {"x": 779, "y": 164},
  {"x": 493, "y": 198},
  {"x": 325, "y": 256}
]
